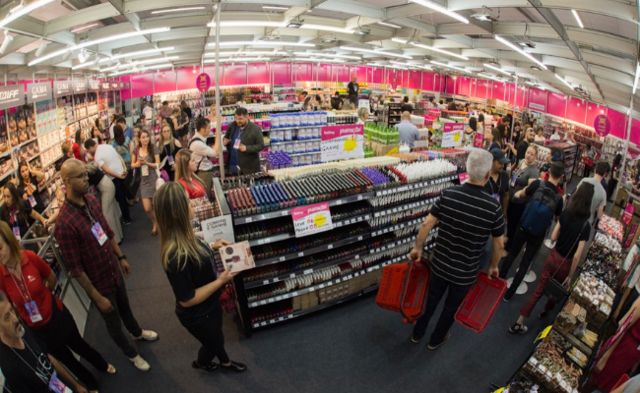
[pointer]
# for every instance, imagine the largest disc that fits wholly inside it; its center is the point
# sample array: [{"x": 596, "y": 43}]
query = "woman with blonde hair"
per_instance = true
[
  {"x": 168, "y": 146},
  {"x": 189, "y": 265},
  {"x": 147, "y": 161},
  {"x": 186, "y": 175}
]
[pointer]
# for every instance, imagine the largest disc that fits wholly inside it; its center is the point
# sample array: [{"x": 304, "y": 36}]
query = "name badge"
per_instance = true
[
  {"x": 496, "y": 197},
  {"x": 144, "y": 170},
  {"x": 99, "y": 233},
  {"x": 170, "y": 160},
  {"x": 236, "y": 144},
  {"x": 33, "y": 311},
  {"x": 57, "y": 386},
  {"x": 16, "y": 232},
  {"x": 32, "y": 201}
]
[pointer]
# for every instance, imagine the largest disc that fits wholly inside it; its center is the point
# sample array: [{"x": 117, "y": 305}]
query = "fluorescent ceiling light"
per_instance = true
[
  {"x": 181, "y": 9},
  {"x": 389, "y": 25},
  {"x": 85, "y": 27},
  {"x": 635, "y": 81},
  {"x": 577, "y": 17},
  {"x": 327, "y": 55},
  {"x": 441, "y": 9},
  {"x": 154, "y": 67},
  {"x": 262, "y": 43},
  {"x": 523, "y": 53},
  {"x": 448, "y": 66},
  {"x": 335, "y": 29},
  {"x": 399, "y": 40},
  {"x": 241, "y": 60},
  {"x": 97, "y": 41},
  {"x": 140, "y": 63},
  {"x": 122, "y": 56},
  {"x": 27, "y": 9},
  {"x": 251, "y": 53},
  {"x": 489, "y": 76},
  {"x": 249, "y": 23},
  {"x": 564, "y": 81},
  {"x": 6, "y": 41},
  {"x": 315, "y": 60},
  {"x": 376, "y": 52},
  {"x": 443, "y": 51},
  {"x": 498, "y": 69},
  {"x": 274, "y": 7}
]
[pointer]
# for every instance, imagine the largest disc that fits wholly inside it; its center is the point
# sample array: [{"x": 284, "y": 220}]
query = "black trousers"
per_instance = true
[
  {"x": 435, "y": 293},
  {"x": 208, "y": 330},
  {"x": 121, "y": 197},
  {"x": 122, "y": 314},
  {"x": 60, "y": 336},
  {"x": 513, "y": 220},
  {"x": 520, "y": 239}
]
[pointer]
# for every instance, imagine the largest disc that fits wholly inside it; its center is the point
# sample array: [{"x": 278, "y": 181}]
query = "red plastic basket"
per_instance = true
[
  {"x": 481, "y": 302},
  {"x": 403, "y": 288}
]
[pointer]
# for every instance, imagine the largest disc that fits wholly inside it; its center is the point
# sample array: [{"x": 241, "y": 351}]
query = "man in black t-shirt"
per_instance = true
[
  {"x": 354, "y": 90},
  {"x": 523, "y": 145}
]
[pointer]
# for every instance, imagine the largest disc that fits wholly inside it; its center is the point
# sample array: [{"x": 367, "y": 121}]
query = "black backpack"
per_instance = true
[{"x": 538, "y": 214}]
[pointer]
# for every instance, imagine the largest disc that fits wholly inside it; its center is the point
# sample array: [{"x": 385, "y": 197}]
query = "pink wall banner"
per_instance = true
[
  {"x": 482, "y": 88},
  {"x": 602, "y": 125},
  {"x": 537, "y": 100},
  {"x": 258, "y": 73},
  {"x": 635, "y": 131},
  {"x": 203, "y": 82},
  {"x": 556, "y": 104},
  {"x": 499, "y": 91},
  {"x": 594, "y": 110},
  {"x": 428, "y": 81},
  {"x": 281, "y": 73},
  {"x": 576, "y": 110},
  {"x": 618, "y": 122}
]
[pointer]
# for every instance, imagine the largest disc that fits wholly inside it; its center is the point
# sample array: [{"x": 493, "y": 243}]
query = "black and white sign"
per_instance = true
[
  {"x": 94, "y": 84},
  {"x": 62, "y": 88},
  {"x": 79, "y": 86},
  {"x": 38, "y": 92},
  {"x": 11, "y": 96}
]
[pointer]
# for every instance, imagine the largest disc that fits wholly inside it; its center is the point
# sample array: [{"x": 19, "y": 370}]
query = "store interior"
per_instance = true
[{"x": 304, "y": 317}]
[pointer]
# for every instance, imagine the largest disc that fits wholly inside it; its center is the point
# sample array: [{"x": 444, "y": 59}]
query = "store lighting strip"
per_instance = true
[
  {"x": 335, "y": 29},
  {"x": 275, "y": 7},
  {"x": 25, "y": 10},
  {"x": 441, "y": 9},
  {"x": 153, "y": 67},
  {"x": 497, "y": 69},
  {"x": 252, "y": 53},
  {"x": 249, "y": 23},
  {"x": 171, "y": 10},
  {"x": 140, "y": 63},
  {"x": 449, "y": 66},
  {"x": 327, "y": 55},
  {"x": 262, "y": 43},
  {"x": 122, "y": 56},
  {"x": 241, "y": 60},
  {"x": 389, "y": 25},
  {"x": 85, "y": 27},
  {"x": 577, "y": 18},
  {"x": 97, "y": 41},
  {"x": 376, "y": 52},
  {"x": 635, "y": 81},
  {"x": 317, "y": 60},
  {"x": 523, "y": 53},
  {"x": 489, "y": 76},
  {"x": 564, "y": 81},
  {"x": 429, "y": 47}
]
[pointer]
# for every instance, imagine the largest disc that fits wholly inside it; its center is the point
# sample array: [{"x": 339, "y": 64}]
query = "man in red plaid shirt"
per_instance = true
[{"x": 95, "y": 260}]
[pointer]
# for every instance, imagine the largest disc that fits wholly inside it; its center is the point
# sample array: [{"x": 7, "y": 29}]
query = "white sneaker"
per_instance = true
[
  {"x": 148, "y": 335},
  {"x": 140, "y": 363}
]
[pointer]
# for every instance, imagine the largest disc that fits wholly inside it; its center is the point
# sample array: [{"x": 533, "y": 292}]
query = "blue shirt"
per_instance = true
[
  {"x": 408, "y": 132},
  {"x": 233, "y": 153},
  {"x": 128, "y": 132}
]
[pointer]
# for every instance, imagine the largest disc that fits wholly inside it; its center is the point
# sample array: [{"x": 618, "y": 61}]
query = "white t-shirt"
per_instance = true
[
  {"x": 599, "y": 197},
  {"x": 106, "y": 156}
]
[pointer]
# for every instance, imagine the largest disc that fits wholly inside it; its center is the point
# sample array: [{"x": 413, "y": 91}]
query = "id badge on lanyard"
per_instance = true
[
  {"x": 170, "y": 159},
  {"x": 32, "y": 201},
  {"x": 32, "y": 310},
  {"x": 97, "y": 231},
  {"x": 57, "y": 386},
  {"x": 16, "y": 231},
  {"x": 236, "y": 144},
  {"x": 144, "y": 170}
]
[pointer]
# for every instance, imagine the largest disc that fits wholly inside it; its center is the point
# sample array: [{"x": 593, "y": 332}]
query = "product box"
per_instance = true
[{"x": 237, "y": 257}]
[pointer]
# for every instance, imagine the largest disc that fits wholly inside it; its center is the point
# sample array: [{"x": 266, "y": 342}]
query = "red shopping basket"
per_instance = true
[
  {"x": 481, "y": 302},
  {"x": 403, "y": 288}
]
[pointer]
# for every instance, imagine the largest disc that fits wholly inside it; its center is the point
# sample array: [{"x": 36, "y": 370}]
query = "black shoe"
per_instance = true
[
  {"x": 212, "y": 366},
  {"x": 517, "y": 328},
  {"x": 506, "y": 297},
  {"x": 234, "y": 366},
  {"x": 415, "y": 340},
  {"x": 433, "y": 347}
]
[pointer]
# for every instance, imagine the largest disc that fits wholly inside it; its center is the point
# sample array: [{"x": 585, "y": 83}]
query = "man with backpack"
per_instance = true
[{"x": 544, "y": 204}]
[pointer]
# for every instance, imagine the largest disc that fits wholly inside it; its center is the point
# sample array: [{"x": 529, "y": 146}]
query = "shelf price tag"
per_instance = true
[{"x": 311, "y": 219}]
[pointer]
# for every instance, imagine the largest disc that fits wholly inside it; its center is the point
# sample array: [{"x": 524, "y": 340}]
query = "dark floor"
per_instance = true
[{"x": 356, "y": 347}]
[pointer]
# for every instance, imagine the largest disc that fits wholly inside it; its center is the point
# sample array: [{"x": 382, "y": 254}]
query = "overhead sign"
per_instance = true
[
  {"x": 79, "y": 86},
  {"x": 39, "y": 92},
  {"x": 105, "y": 86},
  {"x": 94, "y": 84},
  {"x": 203, "y": 82},
  {"x": 11, "y": 96},
  {"x": 311, "y": 219},
  {"x": 61, "y": 88},
  {"x": 602, "y": 125},
  {"x": 341, "y": 142}
]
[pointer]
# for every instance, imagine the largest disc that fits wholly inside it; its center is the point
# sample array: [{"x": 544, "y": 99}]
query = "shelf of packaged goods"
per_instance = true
[
  {"x": 6, "y": 175},
  {"x": 306, "y": 153},
  {"x": 402, "y": 208},
  {"x": 398, "y": 226},
  {"x": 297, "y": 127},
  {"x": 34, "y": 157},
  {"x": 413, "y": 186},
  {"x": 24, "y": 143},
  {"x": 294, "y": 141},
  {"x": 285, "y": 236},
  {"x": 85, "y": 117},
  {"x": 287, "y": 211}
]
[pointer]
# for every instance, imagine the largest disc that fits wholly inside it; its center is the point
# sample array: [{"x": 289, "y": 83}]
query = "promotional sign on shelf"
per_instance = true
[
  {"x": 38, "y": 92},
  {"x": 450, "y": 127},
  {"x": 342, "y": 142},
  {"x": 217, "y": 228},
  {"x": 452, "y": 139},
  {"x": 311, "y": 219},
  {"x": 478, "y": 141},
  {"x": 11, "y": 96},
  {"x": 602, "y": 125},
  {"x": 203, "y": 82}
]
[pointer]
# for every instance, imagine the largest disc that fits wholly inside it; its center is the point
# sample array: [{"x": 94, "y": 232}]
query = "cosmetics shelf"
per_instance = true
[
  {"x": 401, "y": 208},
  {"x": 417, "y": 185}
]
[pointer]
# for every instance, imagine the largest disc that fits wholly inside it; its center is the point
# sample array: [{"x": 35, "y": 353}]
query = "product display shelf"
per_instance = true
[{"x": 391, "y": 113}]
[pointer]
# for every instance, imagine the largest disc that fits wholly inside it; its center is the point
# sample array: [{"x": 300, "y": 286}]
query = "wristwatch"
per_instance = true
[{"x": 121, "y": 257}]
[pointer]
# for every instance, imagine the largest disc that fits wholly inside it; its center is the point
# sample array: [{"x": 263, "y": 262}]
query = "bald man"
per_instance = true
[
  {"x": 408, "y": 131},
  {"x": 95, "y": 260}
]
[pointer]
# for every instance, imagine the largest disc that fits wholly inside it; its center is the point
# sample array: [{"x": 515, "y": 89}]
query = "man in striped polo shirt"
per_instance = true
[{"x": 466, "y": 216}]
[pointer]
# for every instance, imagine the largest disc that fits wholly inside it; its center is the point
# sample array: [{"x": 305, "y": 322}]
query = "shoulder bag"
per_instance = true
[{"x": 554, "y": 288}]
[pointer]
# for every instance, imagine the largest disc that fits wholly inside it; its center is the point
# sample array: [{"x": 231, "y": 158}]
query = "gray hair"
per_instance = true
[
  {"x": 479, "y": 164},
  {"x": 362, "y": 111}
]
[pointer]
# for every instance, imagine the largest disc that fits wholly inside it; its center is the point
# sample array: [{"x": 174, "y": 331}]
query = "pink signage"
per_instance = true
[
  {"x": 602, "y": 125},
  {"x": 538, "y": 100},
  {"x": 337, "y": 131},
  {"x": 450, "y": 127},
  {"x": 478, "y": 141},
  {"x": 311, "y": 219},
  {"x": 203, "y": 82}
]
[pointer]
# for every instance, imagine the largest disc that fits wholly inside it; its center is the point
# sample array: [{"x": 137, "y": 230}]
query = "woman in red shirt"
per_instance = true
[
  {"x": 185, "y": 175},
  {"x": 28, "y": 282},
  {"x": 76, "y": 148}
]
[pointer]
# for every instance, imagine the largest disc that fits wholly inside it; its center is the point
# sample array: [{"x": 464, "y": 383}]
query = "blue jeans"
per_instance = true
[{"x": 455, "y": 296}]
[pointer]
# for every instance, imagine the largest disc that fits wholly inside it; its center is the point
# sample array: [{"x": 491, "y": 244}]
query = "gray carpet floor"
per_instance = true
[{"x": 355, "y": 347}]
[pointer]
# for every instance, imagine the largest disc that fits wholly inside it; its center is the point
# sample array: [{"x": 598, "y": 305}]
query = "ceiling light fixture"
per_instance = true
[
  {"x": 252, "y": 53},
  {"x": 25, "y": 10},
  {"x": 6, "y": 41},
  {"x": 577, "y": 18},
  {"x": 240, "y": 60},
  {"x": 389, "y": 25},
  {"x": 489, "y": 76},
  {"x": 441, "y": 9},
  {"x": 83, "y": 55},
  {"x": 17, "y": 7},
  {"x": 443, "y": 51},
  {"x": 376, "y": 52},
  {"x": 85, "y": 27},
  {"x": 142, "y": 63},
  {"x": 335, "y": 29},
  {"x": 154, "y": 67},
  {"x": 635, "y": 81},
  {"x": 498, "y": 69},
  {"x": 316, "y": 60},
  {"x": 399, "y": 40},
  {"x": 249, "y": 23},
  {"x": 274, "y": 7},
  {"x": 448, "y": 66},
  {"x": 96, "y": 42},
  {"x": 564, "y": 81},
  {"x": 326, "y": 55},
  {"x": 523, "y": 53},
  {"x": 262, "y": 43},
  {"x": 122, "y": 56},
  {"x": 41, "y": 48},
  {"x": 181, "y": 9}
]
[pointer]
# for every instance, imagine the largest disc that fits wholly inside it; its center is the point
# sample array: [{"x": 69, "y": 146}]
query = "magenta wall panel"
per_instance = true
[
  {"x": 393, "y": 78},
  {"x": 281, "y": 73},
  {"x": 141, "y": 85},
  {"x": 463, "y": 86},
  {"x": 341, "y": 73},
  {"x": 618, "y": 123},
  {"x": 363, "y": 73},
  {"x": 234, "y": 74},
  {"x": 186, "y": 78},
  {"x": 635, "y": 131},
  {"x": 537, "y": 100},
  {"x": 511, "y": 93},
  {"x": 258, "y": 73},
  {"x": 594, "y": 110},
  {"x": 499, "y": 91},
  {"x": 450, "y": 84},
  {"x": 482, "y": 88},
  {"x": 522, "y": 96},
  {"x": 556, "y": 104},
  {"x": 576, "y": 110},
  {"x": 164, "y": 81},
  {"x": 323, "y": 72},
  {"x": 378, "y": 75},
  {"x": 303, "y": 72},
  {"x": 428, "y": 81},
  {"x": 439, "y": 83}
]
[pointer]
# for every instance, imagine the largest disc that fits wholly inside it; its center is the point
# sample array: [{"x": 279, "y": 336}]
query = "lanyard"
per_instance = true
[
  {"x": 88, "y": 211},
  {"x": 37, "y": 358},
  {"x": 22, "y": 286}
]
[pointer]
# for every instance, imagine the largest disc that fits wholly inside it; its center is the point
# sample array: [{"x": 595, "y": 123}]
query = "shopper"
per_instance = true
[
  {"x": 128, "y": 131},
  {"x": 186, "y": 110},
  {"x": 202, "y": 153},
  {"x": 77, "y": 146},
  {"x": 521, "y": 147},
  {"x": 336, "y": 102},
  {"x": 544, "y": 204},
  {"x": 363, "y": 115},
  {"x": 169, "y": 147},
  {"x": 96, "y": 261},
  {"x": 28, "y": 281},
  {"x": 539, "y": 137},
  {"x": 186, "y": 175},
  {"x": 470, "y": 132},
  {"x": 147, "y": 161},
  {"x": 189, "y": 265},
  {"x": 406, "y": 105},
  {"x": 244, "y": 141},
  {"x": 599, "y": 201},
  {"x": 109, "y": 161},
  {"x": 17, "y": 212},
  {"x": 108, "y": 202},
  {"x": 631, "y": 386},
  {"x": 165, "y": 110},
  {"x": 570, "y": 234},
  {"x": 409, "y": 133},
  {"x": 29, "y": 183},
  {"x": 180, "y": 124},
  {"x": 353, "y": 90},
  {"x": 25, "y": 367},
  {"x": 466, "y": 217},
  {"x": 493, "y": 139},
  {"x": 97, "y": 136},
  {"x": 525, "y": 173}
]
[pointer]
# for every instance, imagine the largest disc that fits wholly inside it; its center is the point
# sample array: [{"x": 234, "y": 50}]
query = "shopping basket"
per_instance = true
[
  {"x": 403, "y": 288},
  {"x": 481, "y": 302}
]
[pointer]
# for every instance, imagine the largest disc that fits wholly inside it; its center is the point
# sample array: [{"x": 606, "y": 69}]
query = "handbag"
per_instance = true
[
  {"x": 554, "y": 288},
  {"x": 160, "y": 180}
]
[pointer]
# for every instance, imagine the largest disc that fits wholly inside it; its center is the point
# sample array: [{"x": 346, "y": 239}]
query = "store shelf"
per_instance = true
[
  {"x": 392, "y": 228},
  {"x": 287, "y": 211},
  {"x": 413, "y": 186},
  {"x": 296, "y": 127},
  {"x": 296, "y": 140},
  {"x": 306, "y": 153},
  {"x": 402, "y": 208}
]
